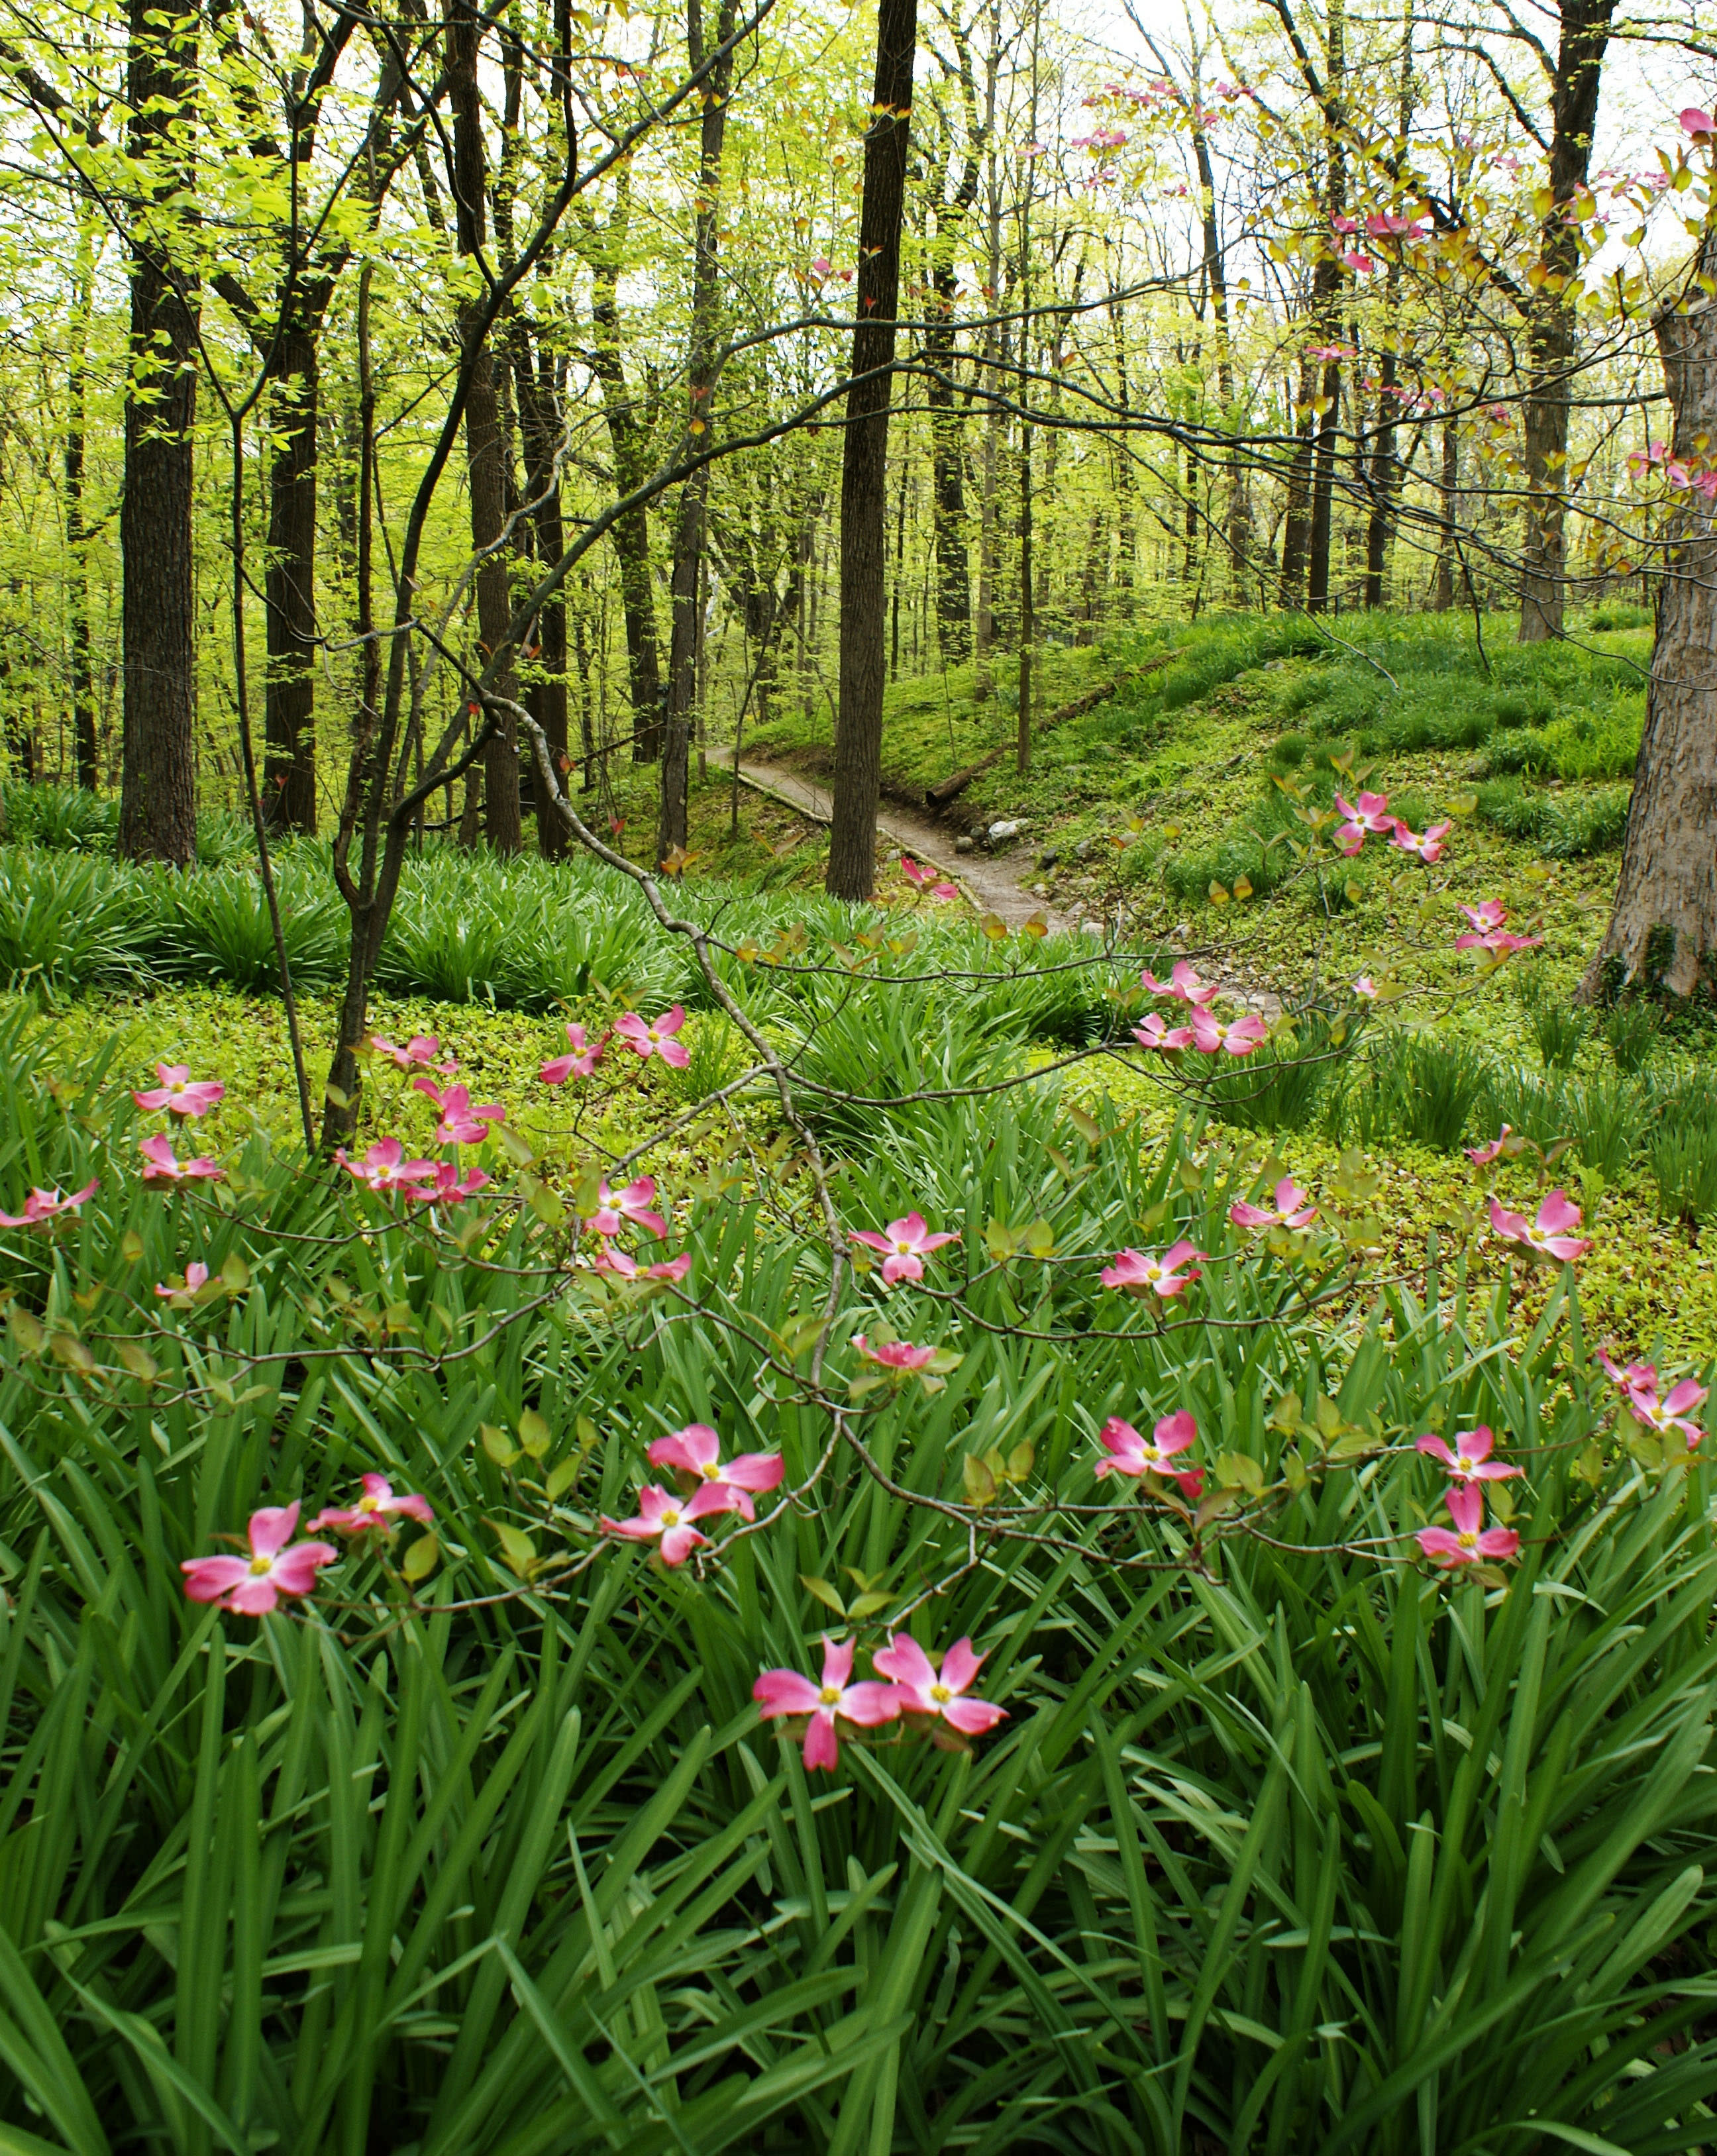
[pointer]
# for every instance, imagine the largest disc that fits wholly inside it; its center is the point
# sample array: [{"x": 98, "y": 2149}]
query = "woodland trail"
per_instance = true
[{"x": 995, "y": 884}]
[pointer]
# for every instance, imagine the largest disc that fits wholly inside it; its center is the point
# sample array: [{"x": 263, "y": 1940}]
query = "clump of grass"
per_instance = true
[
  {"x": 1632, "y": 1033},
  {"x": 1558, "y": 1029},
  {"x": 65, "y": 924},
  {"x": 1416, "y": 1086},
  {"x": 1279, "y": 1086},
  {"x": 63, "y": 819}
]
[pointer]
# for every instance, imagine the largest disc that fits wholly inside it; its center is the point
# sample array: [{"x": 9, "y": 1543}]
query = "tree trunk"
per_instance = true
[
  {"x": 1450, "y": 489},
  {"x": 948, "y": 449},
  {"x": 289, "y": 698},
  {"x": 485, "y": 447},
  {"x": 1550, "y": 323},
  {"x": 158, "y": 779},
  {"x": 1663, "y": 931},
  {"x": 1297, "y": 519},
  {"x": 672, "y": 829},
  {"x": 539, "y": 434},
  {"x": 631, "y": 533},
  {"x": 86, "y": 763},
  {"x": 864, "y": 470}
]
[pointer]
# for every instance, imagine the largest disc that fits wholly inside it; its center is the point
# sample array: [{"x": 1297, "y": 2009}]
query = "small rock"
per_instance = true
[
  {"x": 1091, "y": 928},
  {"x": 1183, "y": 929},
  {"x": 963, "y": 844},
  {"x": 998, "y": 831},
  {"x": 1040, "y": 890},
  {"x": 1049, "y": 859},
  {"x": 1081, "y": 852}
]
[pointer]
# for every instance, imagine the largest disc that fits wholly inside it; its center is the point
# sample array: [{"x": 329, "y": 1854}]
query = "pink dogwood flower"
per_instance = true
[
  {"x": 925, "y": 880},
  {"x": 419, "y": 1053},
  {"x": 1426, "y": 844},
  {"x": 181, "y": 1291},
  {"x": 1637, "y": 1378},
  {"x": 1670, "y": 1414},
  {"x": 1487, "y": 1156},
  {"x": 43, "y": 1207},
  {"x": 1143, "y": 1272},
  {"x": 1353, "y": 259},
  {"x": 1497, "y": 942},
  {"x": 1468, "y": 1542},
  {"x": 612, "y": 1259},
  {"x": 1489, "y": 913},
  {"x": 664, "y": 1518},
  {"x": 1470, "y": 1459},
  {"x": 1183, "y": 984},
  {"x": 1696, "y": 121},
  {"x": 447, "y": 1188},
  {"x": 617, "y": 1209},
  {"x": 1289, "y": 1209},
  {"x": 1386, "y": 224},
  {"x": 378, "y": 1507},
  {"x": 177, "y": 1095},
  {"x": 1133, "y": 1454},
  {"x": 899, "y": 1356},
  {"x": 583, "y": 1060},
  {"x": 695, "y": 1450},
  {"x": 1369, "y": 814},
  {"x": 1238, "y": 1036},
  {"x": 865, "y": 1704},
  {"x": 385, "y": 1169},
  {"x": 923, "y": 1689},
  {"x": 160, "y": 1166},
  {"x": 904, "y": 1244},
  {"x": 1549, "y": 1235},
  {"x": 656, "y": 1036},
  {"x": 1166, "y": 1039},
  {"x": 253, "y": 1585},
  {"x": 1365, "y": 987},
  {"x": 460, "y": 1123}
]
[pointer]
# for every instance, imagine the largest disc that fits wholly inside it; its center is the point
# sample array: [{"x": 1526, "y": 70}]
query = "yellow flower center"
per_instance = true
[
  {"x": 260, "y": 1565},
  {"x": 711, "y": 1470},
  {"x": 1469, "y": 1541},
  {"x": 829, "y": 1696},
  {"x": 369, "y": 1504},
  {"x": 941, "y": 1694},
  {"x": 904, "y": 1249},
  {"x": 1463, "y": 1465},
  {"x": 671, "y": 1519}
]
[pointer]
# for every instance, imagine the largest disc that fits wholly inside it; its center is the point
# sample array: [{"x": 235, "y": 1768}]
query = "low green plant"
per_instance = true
[
  {"x": 1558, "y": 1029},
  {"x": 66, "y": 923},
  {"x": 1280, "y": 1086},
  {"x": 216, "y": 924},
  {"x": 1632, "y": 1031},
  {"x": 1417, "y": 1086},
  {"x": 63, "y": 819}
]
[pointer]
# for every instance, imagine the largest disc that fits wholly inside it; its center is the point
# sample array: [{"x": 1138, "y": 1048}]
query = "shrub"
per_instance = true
[
  {"x": 1278, "y": 1086},
  {"x": 1290, "y": 752},
  {"x": 1632, "y": 1031},
  {"x": 1556, "y": 1026},
  {"x": 215, "y": 924},
  {"x": 67, "y": 819},
  {"x": 65, "y": 924},
  {"x": 1415, "y": 1087}
]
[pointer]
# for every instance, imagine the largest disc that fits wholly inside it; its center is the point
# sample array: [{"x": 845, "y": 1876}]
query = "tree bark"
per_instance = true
[
  {"x": 1663, "y": 930},
  {"x": 947, "y": 448},
  {"x": 864, "y": 471},
  {"x": 631, "y": 532},
  {"x": 158, "y": 778},
  {"x": 539, "y": 434},
  {"x": 1550, "y": 335},
  {"x": 672, "y": 830},
  {"x": 289, "y": 694},
  {"x": 485, "y": 444},
  {"x": 86, "y": 761},
  {"x": 1449, "y": 490}
]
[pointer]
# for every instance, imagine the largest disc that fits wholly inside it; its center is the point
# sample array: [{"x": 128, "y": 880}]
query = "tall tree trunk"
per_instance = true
[
  {"x": 672, "y": 829},
  {"x": 630, "y": 534},
  {"x": 158, "y": 779},
  {"x": 539, "y": 434},
  {"x": 1450, "y": 491},
  {"x": 485, "y": 444},
  {"x": 1296, "y": 529},
  {"x": 85, "y": 757},
  {"x": 1550, "y": 333},
  {"x": 864, "y": 470},
  {"x": 288, "y": 696},
  {"x": 1664, "y": 925},
  {"x": 947, "y": 448}
]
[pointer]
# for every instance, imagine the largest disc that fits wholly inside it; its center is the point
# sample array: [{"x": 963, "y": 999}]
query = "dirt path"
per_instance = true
[{"x": 998, "y": 886}]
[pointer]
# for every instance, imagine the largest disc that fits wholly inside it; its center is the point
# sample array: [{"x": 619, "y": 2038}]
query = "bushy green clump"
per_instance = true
[{"x": 1564, "y": 826}]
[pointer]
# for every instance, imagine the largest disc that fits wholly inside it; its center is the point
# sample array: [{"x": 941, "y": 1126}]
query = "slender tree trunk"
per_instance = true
[
  {"x": 1450, "y": 491},
  {"x": 288, "y": 696},
  {"x": 485, "y": 444},
  {"x": 864, "y": 471},
  {"x": 539, "y": 433},
  {"x": 158, "y": 780},
  {"x": 1296, "y": 526},
  {"x": 1550, "y": 331},
  {"x": 1663, "y": 930},
  {"x": 631, "y": 532},
  {"x": 86, "y": 761},
  {"x": 672, "y": 830}
]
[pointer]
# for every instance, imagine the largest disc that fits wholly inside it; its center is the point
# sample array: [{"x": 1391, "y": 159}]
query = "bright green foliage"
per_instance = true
[{"x": 1309, "y": 1848}]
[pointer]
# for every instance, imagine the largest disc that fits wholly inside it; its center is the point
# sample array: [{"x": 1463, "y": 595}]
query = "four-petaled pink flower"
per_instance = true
[
  {"x": 903, "y": 1244},
  {"x": 656, "y": 1036},
  {"x": 385, "y": 1168},
  {"x": 1637, "y": 1378},
  {"x": 1289, "y": 1208},
  {"x": 1489, "y": 913},
  {"x": 177, "y": 1095},
  {"x": 1238, "y": 1036},
  {"x": 664, "y": 1516},
  {"x": 612, "y": 1259},
  {"x": 583, "y": 1060},
  {"x": 1498, "y": 942},
  {"x": 925, "y": 880},
  {"x": 1469, "y": 1459},
  {"x": 1370, "y": 813},
  {"x": 1386, "y": 224},
  {"x": 1166, "y": 1039},
  {"x": 460, "y": 1123},
  {"x": 695, "y": 1450},
  {"x": 614, "y": 1210},
  {"x": 1426, "y": 844},
  {"x": 1141, "y": 1272},
  {"x": 1638, "y": 1387},
  {"x": 1130, "y": 1453},
  {"x": 1468, "y": 1542},
  {"x": 1365, "y": 987},
  {"x": 253, "y": 1585},
  {"x": 419, "y": 1053},
  {"x": 867, "y": 1705},
  {"x": 196, "y": 1276},
  {"x": 1183, "y": 984},
  {"x": 378, "y": 1507},
  {"x": 1487, "y": 1156},
  {"x": 922, "y": 1689},
  {"x": 1549, "y": 1235},
  {"x": 897, "y": 1355},
  {"x": 1353, "y": 259},
  {"x": 160, "y": 1166},
  {"x": 447, "y": 1186},
  {"x": 1696, "y": 121},
  {"x": 43, "y": 1206}
]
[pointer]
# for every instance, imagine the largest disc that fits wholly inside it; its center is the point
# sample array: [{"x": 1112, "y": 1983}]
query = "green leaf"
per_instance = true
[
  {"x": 516, "y": 1546},
  {"x": 499, "y": 1446},
  {"x": 534, "y": 1434},
  {"x": 821, "y": 1590},
  {"x": 421, "y": 1558}
]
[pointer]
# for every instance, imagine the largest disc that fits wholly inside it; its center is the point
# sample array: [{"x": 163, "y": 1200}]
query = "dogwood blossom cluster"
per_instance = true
[
  {"x": 1643, "y": 1399},
  {"x": 917, "y": 1689},
  {"x": 707, "y": 1485}
]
